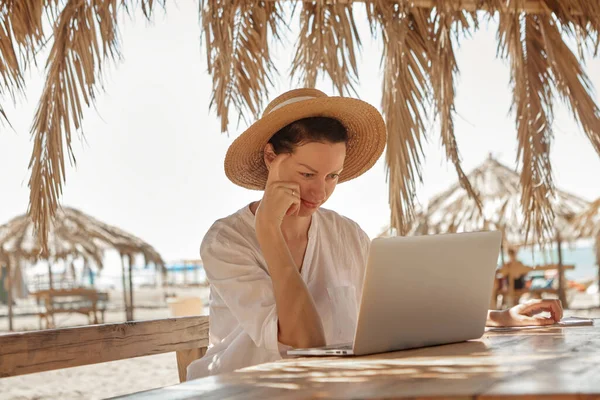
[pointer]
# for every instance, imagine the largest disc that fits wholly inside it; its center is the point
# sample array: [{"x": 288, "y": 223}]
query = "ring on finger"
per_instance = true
[{"x": 293, "y": 192}]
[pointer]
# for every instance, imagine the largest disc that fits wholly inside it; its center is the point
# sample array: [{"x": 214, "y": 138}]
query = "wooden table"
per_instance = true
[{"x": 561, "y": 363}]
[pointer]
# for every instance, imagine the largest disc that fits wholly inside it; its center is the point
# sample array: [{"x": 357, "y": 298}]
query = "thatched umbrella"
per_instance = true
[
  {"x": 587, "y": 224},
  {"x": 73, "y": 235},
  {"x": 419, "y": 38},
  {"x": 498, "y": 188}
]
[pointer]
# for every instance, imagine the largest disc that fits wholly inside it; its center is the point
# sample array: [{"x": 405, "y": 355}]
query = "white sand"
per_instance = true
[{"x": 133, "y": 375}]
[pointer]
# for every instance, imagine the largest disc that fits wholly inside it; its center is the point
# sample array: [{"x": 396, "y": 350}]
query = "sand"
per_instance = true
[{"x": 133, "y": 375}]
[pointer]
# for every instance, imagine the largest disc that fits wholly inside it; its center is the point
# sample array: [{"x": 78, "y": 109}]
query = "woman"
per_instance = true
[{"x": 283, "y": 271}]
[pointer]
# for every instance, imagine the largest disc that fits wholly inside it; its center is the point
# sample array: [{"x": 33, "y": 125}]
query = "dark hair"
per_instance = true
[{"x": 306, "y": 130}]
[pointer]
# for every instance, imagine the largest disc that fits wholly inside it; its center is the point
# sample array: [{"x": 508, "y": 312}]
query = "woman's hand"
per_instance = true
[
  {"x": 527, "y": 314},
  {"x": 280, "y": 198}
]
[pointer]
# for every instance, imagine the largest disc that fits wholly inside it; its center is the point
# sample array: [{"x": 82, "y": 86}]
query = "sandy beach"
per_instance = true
[{"x": 128, "y": 376}]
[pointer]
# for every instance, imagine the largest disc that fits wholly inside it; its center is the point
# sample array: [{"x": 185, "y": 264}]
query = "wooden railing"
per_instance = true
[{"x": 38, "y": 351}]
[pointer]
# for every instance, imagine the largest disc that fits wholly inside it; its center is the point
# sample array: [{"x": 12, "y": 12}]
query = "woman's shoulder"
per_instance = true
[{"x": 232, "y": 229}]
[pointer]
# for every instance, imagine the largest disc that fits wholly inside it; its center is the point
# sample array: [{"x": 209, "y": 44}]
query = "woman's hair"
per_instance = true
[{"x": 307, "y": 130}]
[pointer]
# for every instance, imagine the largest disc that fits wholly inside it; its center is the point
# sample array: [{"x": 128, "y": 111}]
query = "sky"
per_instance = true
[{"x": 151, "y": 159}]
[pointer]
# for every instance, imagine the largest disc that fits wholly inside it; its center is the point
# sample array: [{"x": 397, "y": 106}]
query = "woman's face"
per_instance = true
[{"x": 315, "y": 166}]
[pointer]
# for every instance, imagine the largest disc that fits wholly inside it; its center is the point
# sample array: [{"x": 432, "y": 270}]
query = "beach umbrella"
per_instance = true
[
  {"x": 419, "y": 71},
  {"x": 73, "y": 234}
]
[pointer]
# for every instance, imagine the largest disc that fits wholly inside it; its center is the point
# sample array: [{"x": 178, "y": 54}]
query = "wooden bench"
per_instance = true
[
  {"x": 84, "y": 301},
  {"x": 38, "y": 351}
]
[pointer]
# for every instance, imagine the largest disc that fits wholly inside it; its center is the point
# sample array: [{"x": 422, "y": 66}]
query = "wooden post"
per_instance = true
[
  {"x": 598, "y": 263},
  {"x": 130, "y": 262},
  {"x": 9, "y": 289},
  {"x": 124, "y": 279},
  {"x": 185, "y": 273},
  {"x": 561, "y": 273},
  {"x": 49, "y": 274}
]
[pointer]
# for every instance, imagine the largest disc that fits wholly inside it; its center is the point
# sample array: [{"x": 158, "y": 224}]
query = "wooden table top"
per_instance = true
[{"x": 530, "y": 363}]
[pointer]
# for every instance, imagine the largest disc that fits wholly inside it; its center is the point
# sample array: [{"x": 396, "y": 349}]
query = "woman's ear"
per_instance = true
[{"x": 269, "y": 154}]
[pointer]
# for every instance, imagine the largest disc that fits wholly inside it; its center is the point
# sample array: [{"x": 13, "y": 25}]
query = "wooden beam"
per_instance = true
[
  {"x": 37, "y": 351},
  {"x": 527, "y": 6}
]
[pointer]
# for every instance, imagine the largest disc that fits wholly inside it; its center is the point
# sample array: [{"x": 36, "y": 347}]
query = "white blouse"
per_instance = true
[{"x": 243, "y": 314}]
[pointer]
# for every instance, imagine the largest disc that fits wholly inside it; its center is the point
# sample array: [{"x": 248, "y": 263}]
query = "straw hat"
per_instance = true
[{"x": 244, "y": 162}]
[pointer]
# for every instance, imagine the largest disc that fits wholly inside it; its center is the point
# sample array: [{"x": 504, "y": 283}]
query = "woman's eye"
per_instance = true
[
  {"x": 334, "y": 176},
  {"x": 306, "y": 174}
]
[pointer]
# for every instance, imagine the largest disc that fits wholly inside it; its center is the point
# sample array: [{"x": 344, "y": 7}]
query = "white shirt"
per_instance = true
[{"x": 243, "y": 314}]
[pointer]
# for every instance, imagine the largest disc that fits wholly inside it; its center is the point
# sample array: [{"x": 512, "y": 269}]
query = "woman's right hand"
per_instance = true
[{"x": 280, "y": 198}]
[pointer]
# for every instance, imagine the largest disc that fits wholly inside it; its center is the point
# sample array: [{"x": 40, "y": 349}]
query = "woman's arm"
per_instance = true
[
  {"x": 526, "y": 314},
  {"x": 299, "y": 322}
]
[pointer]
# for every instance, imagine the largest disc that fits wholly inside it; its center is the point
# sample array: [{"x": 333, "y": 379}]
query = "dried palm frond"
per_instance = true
[
  {"x": 328, "y": 42},
  {"x": 406, "y": 58},
  {"x": 587, "y": 223},
  {"x": 11, "y": 78},
  {"x": 571, "y": 81},
  {"x": 238, "y": 53},
  {"x": 85, "y": 36},
  {"x": 581, "y": 19},
  {"x": 522, "y": 40},
  {"x": 419, "y": 52},
  {"x": 443, "y": 71}
]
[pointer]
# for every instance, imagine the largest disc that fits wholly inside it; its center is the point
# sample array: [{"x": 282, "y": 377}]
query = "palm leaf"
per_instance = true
[
  {"x": 328, "y": 42},
  {"x": 580, "y": 19},
  {"x": 407, "y": 57},
  {"x": 444, "y": 69},
  {"x": 85, "y": 36},
  {"x": 521, "y": 39},
  {"x": 238, "y": 54},
  {"x": 571, "y": 82},
  {"x": 20, "y": 32}
]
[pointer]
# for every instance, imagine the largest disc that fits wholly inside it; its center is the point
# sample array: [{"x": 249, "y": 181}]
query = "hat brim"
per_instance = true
[{"x": 244, "y": 162}]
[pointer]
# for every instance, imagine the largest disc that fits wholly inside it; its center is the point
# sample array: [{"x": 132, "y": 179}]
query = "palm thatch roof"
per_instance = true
[
  {"x": 587, "y": 222},
  {"x": 73, "y": 234},
  {"x": 498, "y": 188},
  {"x": 419, "y": 70}
]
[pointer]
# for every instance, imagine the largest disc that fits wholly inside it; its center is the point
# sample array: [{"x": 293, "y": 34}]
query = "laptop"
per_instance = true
[{"x": 422, "y": 291}]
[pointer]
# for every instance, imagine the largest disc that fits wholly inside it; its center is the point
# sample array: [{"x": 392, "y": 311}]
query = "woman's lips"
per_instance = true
[{"x": 309, "y": 204}]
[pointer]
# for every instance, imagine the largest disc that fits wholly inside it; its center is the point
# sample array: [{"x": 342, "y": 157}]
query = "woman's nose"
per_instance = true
[{"x": 317, "y": 190}]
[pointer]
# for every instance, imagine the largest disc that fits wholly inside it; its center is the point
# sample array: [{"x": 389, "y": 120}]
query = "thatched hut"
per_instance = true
[
  {"x": 499, "y": 190},
  {"x": 419, "y": 39},
  {"x": 73, "y": 235}
]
